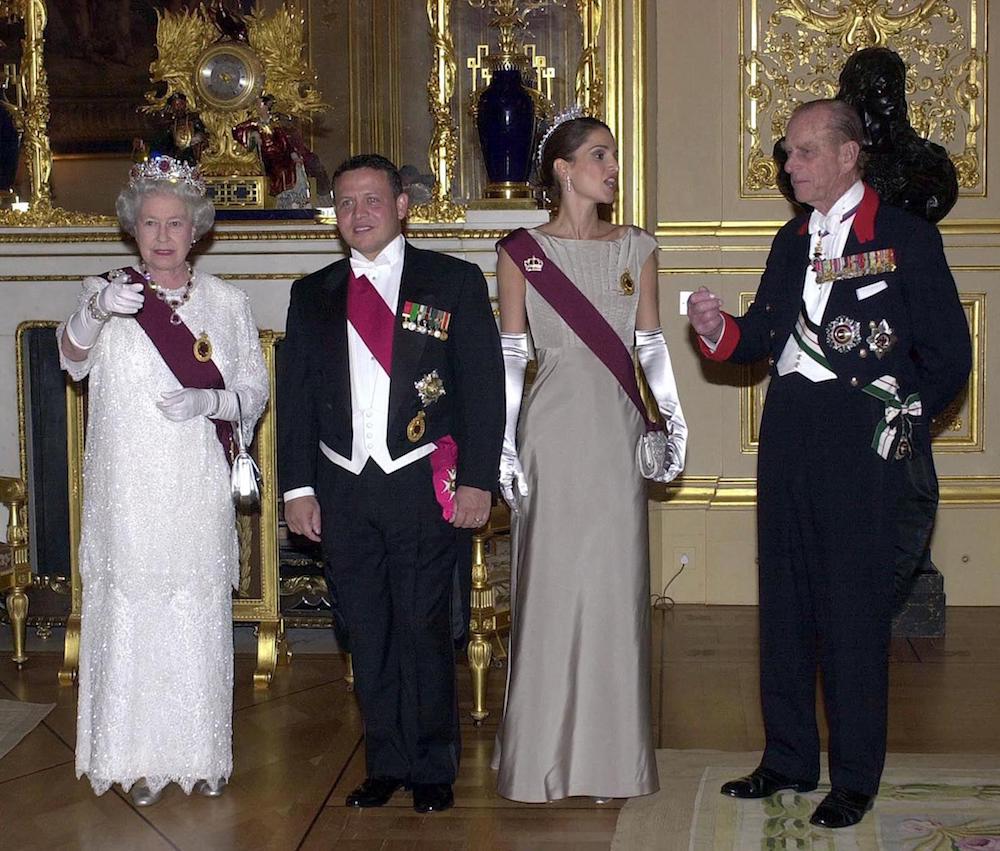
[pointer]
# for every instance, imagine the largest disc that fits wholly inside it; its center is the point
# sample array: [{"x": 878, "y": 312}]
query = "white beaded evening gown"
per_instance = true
[{"x": 158, "y": 554}]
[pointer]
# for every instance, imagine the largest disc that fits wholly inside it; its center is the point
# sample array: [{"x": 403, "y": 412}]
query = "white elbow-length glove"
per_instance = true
[
  {"x": 85, "y": 326},
  {"x": 651, "y": 349},
  {"x": 190, "y": 402},
  {"x": 515, "y": 363}
]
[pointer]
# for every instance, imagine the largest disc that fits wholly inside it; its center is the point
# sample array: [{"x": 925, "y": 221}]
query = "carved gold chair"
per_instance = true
[
  {"x": 489, "y": 620},
  {"x": 15, "y": 569}
]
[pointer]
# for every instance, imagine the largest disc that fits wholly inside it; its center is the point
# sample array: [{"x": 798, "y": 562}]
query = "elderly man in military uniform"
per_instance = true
[{"x": 859, "y": 317}]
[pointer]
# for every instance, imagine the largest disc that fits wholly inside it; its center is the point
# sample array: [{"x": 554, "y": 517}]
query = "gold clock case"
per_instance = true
[{"x": 251, "y": 65}]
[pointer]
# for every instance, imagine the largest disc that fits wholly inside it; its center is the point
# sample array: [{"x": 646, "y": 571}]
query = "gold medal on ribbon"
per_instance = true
[
  {"x": 626, "y": 284},
  {"x": 203, "y": 348},
  {"x": 416, "y": 427}
]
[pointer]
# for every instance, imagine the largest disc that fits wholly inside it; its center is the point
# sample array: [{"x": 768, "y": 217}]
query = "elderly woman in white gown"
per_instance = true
[{"x": 173, "y": 360}]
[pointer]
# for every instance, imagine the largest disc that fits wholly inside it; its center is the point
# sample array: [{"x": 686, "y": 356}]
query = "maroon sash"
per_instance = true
[
  {"x": 371, "y": 318},
  {"x": 175, "y": 343},
  {"x": 578, "y": 312}
]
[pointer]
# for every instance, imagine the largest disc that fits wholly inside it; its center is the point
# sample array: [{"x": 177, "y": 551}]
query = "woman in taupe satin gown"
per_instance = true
[{"x": 577, "y": 710}]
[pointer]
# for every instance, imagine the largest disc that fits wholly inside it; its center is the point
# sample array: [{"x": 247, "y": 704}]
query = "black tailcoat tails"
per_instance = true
[
  {"x": 829, "y": 507},
  {"x": 390, "y": 554}
]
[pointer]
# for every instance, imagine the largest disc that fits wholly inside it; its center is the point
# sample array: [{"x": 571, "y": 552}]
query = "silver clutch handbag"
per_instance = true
[
  {"x": 244, "y": 483},
  {"x": 652, "y": 455}
]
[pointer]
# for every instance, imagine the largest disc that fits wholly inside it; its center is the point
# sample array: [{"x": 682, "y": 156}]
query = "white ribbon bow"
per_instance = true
[{"x": 885, "y": 433}]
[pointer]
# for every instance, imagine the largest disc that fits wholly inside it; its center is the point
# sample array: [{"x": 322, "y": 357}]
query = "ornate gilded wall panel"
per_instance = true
[
  {"x": 792, "y": 51},
  {"x": 958, "y": 429}
]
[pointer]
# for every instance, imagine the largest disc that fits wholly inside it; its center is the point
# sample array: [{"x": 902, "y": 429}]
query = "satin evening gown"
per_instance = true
[{"x": 577, "y": 716}]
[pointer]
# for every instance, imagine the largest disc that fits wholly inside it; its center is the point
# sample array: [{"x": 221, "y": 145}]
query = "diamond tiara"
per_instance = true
[
  {"x": 169, "y": 169},
  {"x": 564, "y": 116}
]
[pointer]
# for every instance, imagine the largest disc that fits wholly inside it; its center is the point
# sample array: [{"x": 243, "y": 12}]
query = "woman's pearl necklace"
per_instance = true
[{"x": 173, "y": 299}]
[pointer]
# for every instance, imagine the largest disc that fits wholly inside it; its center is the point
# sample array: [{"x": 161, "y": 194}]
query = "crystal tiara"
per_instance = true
[
  {"x": 167, "y": 168},
  {"x": 564, "y": 116}
]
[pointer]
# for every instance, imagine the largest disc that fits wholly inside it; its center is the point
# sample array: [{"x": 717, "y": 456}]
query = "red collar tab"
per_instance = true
[{"x": 864, "y": 219}]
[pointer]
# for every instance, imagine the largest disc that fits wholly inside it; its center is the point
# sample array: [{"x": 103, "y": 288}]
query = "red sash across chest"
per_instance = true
[{"x": 176, "y": 345}]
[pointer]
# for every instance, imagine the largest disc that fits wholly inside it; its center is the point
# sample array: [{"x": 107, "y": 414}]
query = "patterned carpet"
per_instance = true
[{"x": 927, "y": 802}]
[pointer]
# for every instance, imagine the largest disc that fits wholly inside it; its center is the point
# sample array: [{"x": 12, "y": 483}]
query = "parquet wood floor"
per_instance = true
[{"x": 298, "y": 749}]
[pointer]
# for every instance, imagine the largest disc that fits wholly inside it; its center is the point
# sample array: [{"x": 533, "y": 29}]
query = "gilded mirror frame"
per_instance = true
[
  {"x": 443, "y": 148},
  {"x": 613, "y": 33},
  {"x": 35, "y": 147}
]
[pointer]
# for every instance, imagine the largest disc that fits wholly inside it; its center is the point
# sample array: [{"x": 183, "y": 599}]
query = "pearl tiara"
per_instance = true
[
  {"x": 564, "y": 116},
  {"x": 169, "y": 169}
]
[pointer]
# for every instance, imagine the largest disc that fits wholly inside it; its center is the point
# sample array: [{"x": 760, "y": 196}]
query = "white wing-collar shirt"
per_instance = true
[
  {"x": 829, "y": 233},
  {"x": 369, "y": 382}
]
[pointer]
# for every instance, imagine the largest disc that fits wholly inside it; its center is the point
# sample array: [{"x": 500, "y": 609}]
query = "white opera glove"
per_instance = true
[
  {"x": 85, "y": 326},
  {"x": 515, "y": 363},
  {"x": 651, "y": 349},
  {"x": 187, "y": 403},
  {"x": 226, "y": 406}
]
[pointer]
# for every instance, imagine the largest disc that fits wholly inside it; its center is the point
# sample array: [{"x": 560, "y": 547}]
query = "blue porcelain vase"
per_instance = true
[{"x": 506, "y": 123}]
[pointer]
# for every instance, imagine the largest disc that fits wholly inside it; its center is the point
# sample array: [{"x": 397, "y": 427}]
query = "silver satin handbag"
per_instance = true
[
  {"x": 245, "y": 477},
  {"x": 653, "y": 456}
]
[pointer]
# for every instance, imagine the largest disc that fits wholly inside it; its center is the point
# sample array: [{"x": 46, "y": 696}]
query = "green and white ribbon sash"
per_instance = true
[
  {"x": 806, "y": 335},
  {"x": 898, "y": 413}
]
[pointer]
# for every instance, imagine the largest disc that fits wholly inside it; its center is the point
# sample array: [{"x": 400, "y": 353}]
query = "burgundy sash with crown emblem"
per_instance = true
[
  {"x": 578, "y": 312},
  {"x": 176, "y": 343}
]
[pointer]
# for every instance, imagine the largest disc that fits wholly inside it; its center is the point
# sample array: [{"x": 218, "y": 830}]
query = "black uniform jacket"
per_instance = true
[
  {"x": 314, "y": 383},
  {"x": 931, "y": 351}
]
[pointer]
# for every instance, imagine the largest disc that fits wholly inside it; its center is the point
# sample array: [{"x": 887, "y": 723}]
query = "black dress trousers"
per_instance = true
[
  {"x": 827, "y": 510},
  {"x": 391, "y": 556}
]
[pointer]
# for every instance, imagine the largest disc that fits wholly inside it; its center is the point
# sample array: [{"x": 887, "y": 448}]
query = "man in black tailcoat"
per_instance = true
[
  {"x": 860, "y": 319},
  {"x": 390, "y": 418}
]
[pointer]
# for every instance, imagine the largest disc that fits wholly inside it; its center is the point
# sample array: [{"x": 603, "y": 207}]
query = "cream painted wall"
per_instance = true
[{"x": 693, "y": 199}]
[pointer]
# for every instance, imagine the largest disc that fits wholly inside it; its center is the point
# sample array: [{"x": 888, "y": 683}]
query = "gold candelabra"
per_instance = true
[{"x": 510, "y": 19}]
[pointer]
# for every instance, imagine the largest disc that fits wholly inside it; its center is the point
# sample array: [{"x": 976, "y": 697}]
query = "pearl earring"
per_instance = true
[{"x": 569, "y": 184}]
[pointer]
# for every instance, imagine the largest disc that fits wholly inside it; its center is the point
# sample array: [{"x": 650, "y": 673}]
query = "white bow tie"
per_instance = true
[
  {"x": 825, "y": 225},
  {"x": 818, "y": 223},
  {"x": 363, "y": 266}
]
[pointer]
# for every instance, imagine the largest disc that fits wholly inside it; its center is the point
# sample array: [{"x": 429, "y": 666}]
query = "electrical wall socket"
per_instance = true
[{"x": 681, "y": 553}]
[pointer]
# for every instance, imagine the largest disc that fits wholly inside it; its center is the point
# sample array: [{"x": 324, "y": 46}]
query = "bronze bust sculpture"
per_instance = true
[{"x": 906, "y": 170}]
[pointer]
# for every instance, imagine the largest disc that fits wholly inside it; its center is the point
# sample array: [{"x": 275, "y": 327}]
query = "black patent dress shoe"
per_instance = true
[
  {"x": 842, "y": 808},
  {"x": 432, "y": 797},
  {"x": 374, "y": 792},
  {"x": 763, "y": 783}
]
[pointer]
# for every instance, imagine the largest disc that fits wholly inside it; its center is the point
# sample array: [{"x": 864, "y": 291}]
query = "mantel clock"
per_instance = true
[
  {"x": 223, "y": 77},
  {"x": 228, "y": 76}
]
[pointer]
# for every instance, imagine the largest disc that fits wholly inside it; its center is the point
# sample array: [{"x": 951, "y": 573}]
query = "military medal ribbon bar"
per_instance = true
[
  {"x": 426, "y": 320},
  {"x": 855, "y": 266}
]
